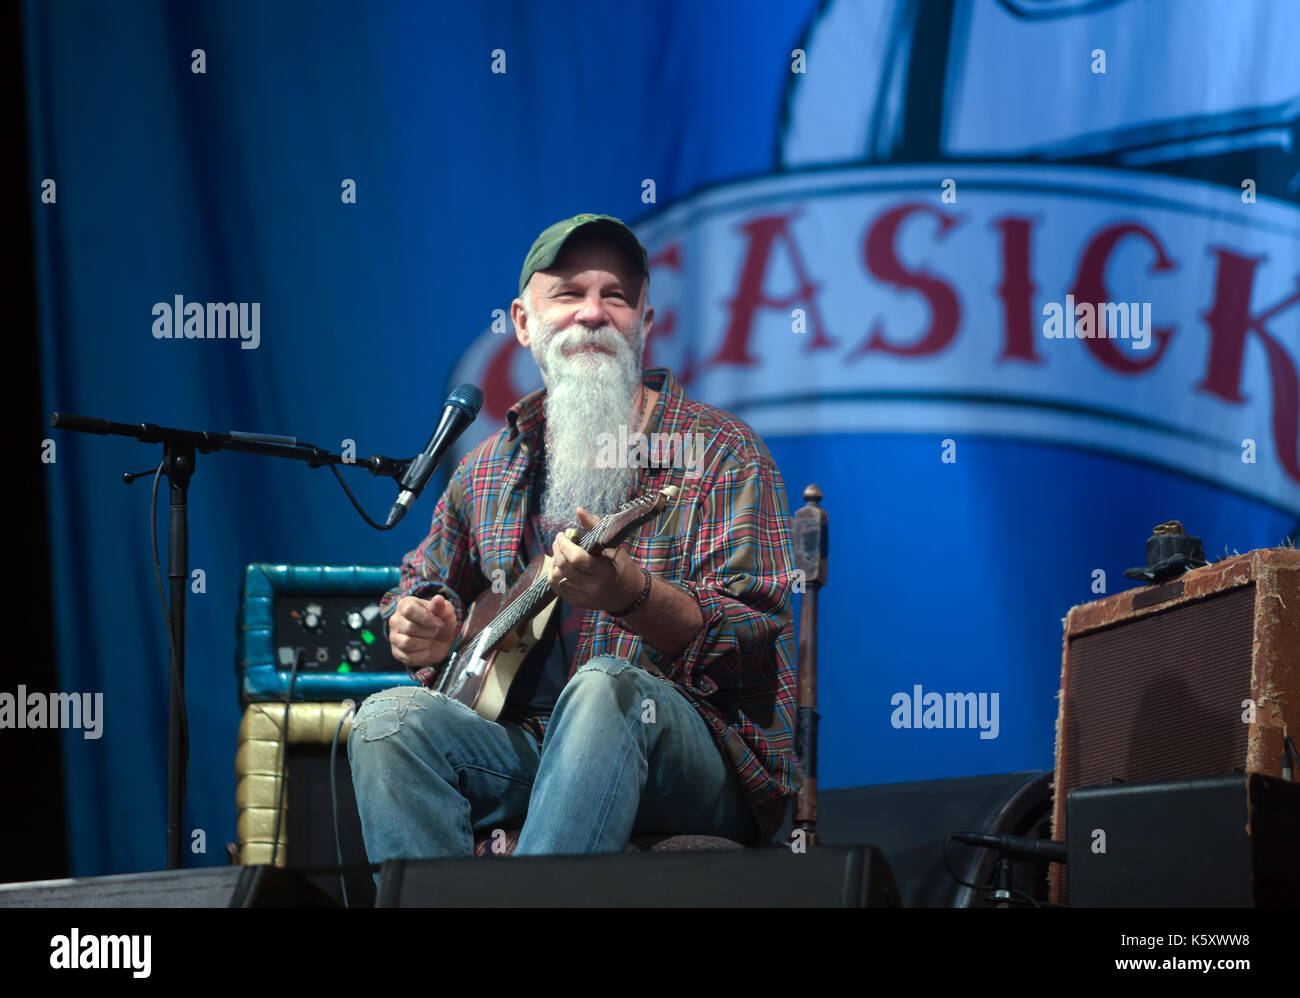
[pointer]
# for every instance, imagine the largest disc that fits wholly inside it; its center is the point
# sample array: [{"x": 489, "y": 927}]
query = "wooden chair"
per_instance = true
[{"x": 810, "y": 539}]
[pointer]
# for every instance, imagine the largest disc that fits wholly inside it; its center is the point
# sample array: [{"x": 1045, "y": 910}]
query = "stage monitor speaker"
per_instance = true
[
  {"x": 824, "y": 876},
  {"x": 215, "y": 887},
  {"x": 1216, "y": 841},
  {"x": 911, "y": 824},
  {"x": 1198, "y": 676}
]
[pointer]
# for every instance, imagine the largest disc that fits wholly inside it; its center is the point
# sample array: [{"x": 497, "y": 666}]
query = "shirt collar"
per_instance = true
[{"x": 528, "y": 414}]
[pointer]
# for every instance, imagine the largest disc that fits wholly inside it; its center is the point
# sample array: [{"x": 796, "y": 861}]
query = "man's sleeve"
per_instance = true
[
  {"x": 742, "y": 580},
  {"x": 447, "y": 561}
]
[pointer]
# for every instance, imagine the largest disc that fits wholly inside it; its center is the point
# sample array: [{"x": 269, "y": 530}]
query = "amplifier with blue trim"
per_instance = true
[{"x": 327, "y": 617}]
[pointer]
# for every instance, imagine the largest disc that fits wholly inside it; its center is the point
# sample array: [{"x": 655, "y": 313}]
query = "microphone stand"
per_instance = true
[{"x": 178, "y": 464}]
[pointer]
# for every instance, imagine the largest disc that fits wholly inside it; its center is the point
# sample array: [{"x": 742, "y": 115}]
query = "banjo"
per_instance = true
[{"x": 502, "y": 628}]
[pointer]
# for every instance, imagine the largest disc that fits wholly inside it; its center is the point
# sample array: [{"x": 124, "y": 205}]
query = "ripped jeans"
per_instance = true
[{"x": 624, "y": 753}]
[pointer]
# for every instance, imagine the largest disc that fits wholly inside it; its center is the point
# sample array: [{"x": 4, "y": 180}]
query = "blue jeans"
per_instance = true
[{"x": 624, "y": 753}]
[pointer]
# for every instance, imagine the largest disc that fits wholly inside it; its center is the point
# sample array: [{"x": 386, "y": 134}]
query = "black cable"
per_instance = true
[
  {"x": 1288, "y": 746},
  {"x": 293, "y": 674},
  {"x": 1027, "y": 897},
  {"x": 979, "y": 887},
  {"x": 284, "y": 754},
  {"x": 171, "y": 637},
  {"x": 364, "y": 515},
  {"x": 349, "y": 707}
]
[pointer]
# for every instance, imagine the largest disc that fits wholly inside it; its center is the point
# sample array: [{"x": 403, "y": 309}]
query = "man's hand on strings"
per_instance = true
[{"x": 608, "y": 580}]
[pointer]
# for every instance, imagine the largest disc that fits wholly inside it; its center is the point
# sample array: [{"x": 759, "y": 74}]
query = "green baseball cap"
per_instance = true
[{"x": 547, "y": 246}]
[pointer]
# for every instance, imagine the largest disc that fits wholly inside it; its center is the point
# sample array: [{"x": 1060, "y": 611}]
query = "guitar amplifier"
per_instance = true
[
  {"x": 1198, "y": 676},
  {"x": 324, "y": 616}
]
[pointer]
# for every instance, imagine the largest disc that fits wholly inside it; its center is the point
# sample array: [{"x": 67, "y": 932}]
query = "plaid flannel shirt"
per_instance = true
[{"x": 725, "y": 542}]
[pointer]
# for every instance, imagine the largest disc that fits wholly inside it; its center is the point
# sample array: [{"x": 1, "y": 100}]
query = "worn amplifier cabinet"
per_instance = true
[{"x": 1198, "y": 676}]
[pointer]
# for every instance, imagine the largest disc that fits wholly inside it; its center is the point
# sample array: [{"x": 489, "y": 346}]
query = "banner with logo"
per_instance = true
[{"x": 1011, "y": 281}]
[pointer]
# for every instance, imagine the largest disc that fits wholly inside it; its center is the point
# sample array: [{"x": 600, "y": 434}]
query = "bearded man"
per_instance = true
[{"x": 661, "y": 698}]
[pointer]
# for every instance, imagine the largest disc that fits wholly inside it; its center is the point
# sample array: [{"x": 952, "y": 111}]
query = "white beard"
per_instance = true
[{"x": 586, "y": 395}]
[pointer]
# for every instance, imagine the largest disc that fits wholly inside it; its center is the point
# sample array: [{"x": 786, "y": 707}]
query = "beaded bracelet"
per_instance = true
[{"x": 645, "y": 595}]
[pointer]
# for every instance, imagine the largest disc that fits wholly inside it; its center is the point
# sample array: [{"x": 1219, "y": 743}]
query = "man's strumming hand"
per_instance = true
[{"x": 421, "y": 631}]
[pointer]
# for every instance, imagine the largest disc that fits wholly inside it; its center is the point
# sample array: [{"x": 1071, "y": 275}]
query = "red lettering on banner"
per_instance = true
[
  {"x": 499, "y": 391},
  {"x": 1090, "y": 286},
  {"x": 665, "y": 324},
  {"x": 878, "y": 251},
  {"x": 761, "y": 235},
  {"x": 1019, "y": 320},
  {"x": 1229, "y": 320}
]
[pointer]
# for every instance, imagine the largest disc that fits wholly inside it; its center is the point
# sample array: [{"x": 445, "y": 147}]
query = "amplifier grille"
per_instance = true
[{"x": 1160, "y": 697}]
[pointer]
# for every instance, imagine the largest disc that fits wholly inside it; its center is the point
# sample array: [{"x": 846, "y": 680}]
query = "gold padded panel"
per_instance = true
[{"x": 257, "y": 767}]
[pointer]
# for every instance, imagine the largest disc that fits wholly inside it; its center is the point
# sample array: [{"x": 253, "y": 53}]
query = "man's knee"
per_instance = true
[
  {"x": 390, "y": 712},
  {"x": 605, "y": 680}
]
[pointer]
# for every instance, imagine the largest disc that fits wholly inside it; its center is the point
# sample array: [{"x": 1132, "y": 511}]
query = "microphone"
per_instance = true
[
  {"x": 1016, "y": 845},
  {"x": 460, "y": 409}
]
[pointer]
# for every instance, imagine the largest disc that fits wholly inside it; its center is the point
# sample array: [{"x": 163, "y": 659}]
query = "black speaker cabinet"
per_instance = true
[
  {"x": 911, "y": 824},
  {"x": 1213, "y": 841},
  {"x": 215, "y": 887},
  {"x": 823, "y": 876}
]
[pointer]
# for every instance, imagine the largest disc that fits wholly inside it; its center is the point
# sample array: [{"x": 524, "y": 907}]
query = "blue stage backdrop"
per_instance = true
[{"x": 873, "y": 227}]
